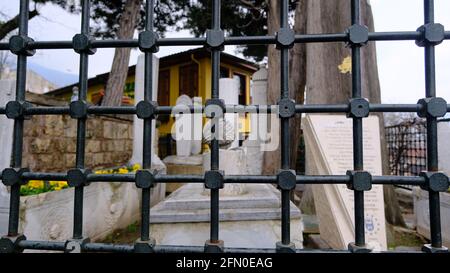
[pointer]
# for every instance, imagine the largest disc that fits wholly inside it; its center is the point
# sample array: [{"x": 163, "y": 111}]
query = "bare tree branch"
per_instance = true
[
  {"x": 13, "y": 23},
  {"x": 248, "y": 4}
]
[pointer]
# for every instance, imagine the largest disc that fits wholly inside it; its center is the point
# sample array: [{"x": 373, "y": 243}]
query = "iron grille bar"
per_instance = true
[
  {"x": 231, "y": 40},
  {"x": 285, "y": 132},
  {"x": 215, "y": 74},
  {"x": 250, "y": 179},
  {"x": 147, "y": 146},
  {"x": 168, "y": 110},
  {"x": 432, "y": 149},
  {"x": 13, "y": 226},
  {"x": 30, "y": 110},
  {"x": 357, "y": 130},
  {"x": 81, "y": 125},
  {"x": 100, "y": 247}
]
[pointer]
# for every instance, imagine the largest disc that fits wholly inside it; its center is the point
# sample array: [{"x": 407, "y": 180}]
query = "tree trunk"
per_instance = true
[
  {"x": 119, "y": 69},
  {"x": 272, "y": 159},
  {"x": 297, "y": 80},
  {"x": 329, "y": 83}
]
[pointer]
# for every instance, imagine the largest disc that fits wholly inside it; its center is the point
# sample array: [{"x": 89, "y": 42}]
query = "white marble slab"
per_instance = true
[
  {"x": 329, "y": 148},
  {"x": 7, "y": 93}
]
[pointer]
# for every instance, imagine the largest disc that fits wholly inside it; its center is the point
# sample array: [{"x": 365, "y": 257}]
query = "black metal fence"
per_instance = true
[
  {"x": 407, "y": 146},
  {"x": 427, "y": 36}
]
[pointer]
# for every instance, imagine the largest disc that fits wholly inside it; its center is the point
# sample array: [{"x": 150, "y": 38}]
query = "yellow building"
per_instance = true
[{"x": 188, "y": 72}]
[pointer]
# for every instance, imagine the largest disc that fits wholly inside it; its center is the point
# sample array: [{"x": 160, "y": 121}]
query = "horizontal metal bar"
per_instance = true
[
  {"x": 231, "y": 179},
  {"x": 42, "y": 245},
  {"x": 394, "y": 36},
  {"x": 181, "y": 42},
  {"x": 250, "y": 40},
  {"x": 44, "y": 176},
  {"x": 114, "y": 43},
  {"x": 168, "y": 110},
  {"x": 111, "y": 177},
  {"x": 65, "y": 110},
  {"x": 398, "y": 180},
  {"x": 232, "y": 40},
  {"x": 322, "y": 179},
  {"x": 48, "y": 110},
  {"x": 385, "y": 108},
  {"x": 101, "y": 247},
  {"x": 124, "y": 110},
  {"x": 158, "y": 178},
  {"x": 51, "y": 45},
  {"x": 179, "y": 178},
  {"x": 129, "y": 248},
  {"x": 250, "y": 179},
  {"x": 321, "y": 38},
  {"x": 321, "y": 108}
]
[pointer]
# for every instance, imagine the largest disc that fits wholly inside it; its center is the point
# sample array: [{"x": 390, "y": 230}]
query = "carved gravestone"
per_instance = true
[
  {"x": 258, "y": 123},
  {"x": 7, "y": 93},
  {"x": 229, "y": 93},
  {"x": 443, "y": 147},
  {"x": 158, "y": 192},
  {"x": 187, "y": 132},
  {"x": 197, "y": 124},
  {"x": 183, "y": 126},
  {"x": 329, "y": 151}
]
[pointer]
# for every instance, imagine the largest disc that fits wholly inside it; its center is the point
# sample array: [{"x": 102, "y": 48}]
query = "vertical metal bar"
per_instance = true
[
  {"x": 216, "y": 15},
  {"x": 429, "y": 11},
  {"x": 147, "y": 138},
  {"x": 432, "y": 147},
  {"x": 284, "y": 85},
  {"x": 285, "y": 217},
  {"x": 14, "y": 202},
  {"x": 81, "y": 125},
  {"x": 355, "y": 12},
  {"x": 215, "y": 74},
  {"x": 357, "y": 130},
  {"x": 285, "y": 137}
]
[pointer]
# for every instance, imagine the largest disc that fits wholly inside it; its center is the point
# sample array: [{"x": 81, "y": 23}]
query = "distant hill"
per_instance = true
[{"x": 57, "y": 77}]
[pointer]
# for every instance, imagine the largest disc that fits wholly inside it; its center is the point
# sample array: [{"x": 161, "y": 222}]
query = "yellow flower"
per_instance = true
[
  {"x": 36, "y": 184},
  {"x": 58, "y": 185},
  {"x": 136, "y": 167},
  {"x": 123, "y": 170}
]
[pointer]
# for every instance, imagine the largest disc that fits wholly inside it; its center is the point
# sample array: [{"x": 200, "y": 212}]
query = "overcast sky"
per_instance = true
[{"x": 400, "y": 64}]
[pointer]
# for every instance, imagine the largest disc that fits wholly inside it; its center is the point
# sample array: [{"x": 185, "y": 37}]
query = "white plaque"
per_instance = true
[{"x": 329, "y": 143}]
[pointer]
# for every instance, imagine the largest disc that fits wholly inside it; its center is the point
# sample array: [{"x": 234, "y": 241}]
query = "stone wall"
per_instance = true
[{"x": 50, "y": 141}]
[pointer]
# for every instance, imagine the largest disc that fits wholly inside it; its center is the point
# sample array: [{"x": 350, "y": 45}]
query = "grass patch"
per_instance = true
[
  {"x": 406, "y": 239},
  {"x": 126, "y": 235}
]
